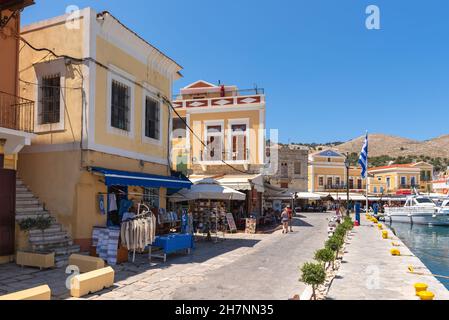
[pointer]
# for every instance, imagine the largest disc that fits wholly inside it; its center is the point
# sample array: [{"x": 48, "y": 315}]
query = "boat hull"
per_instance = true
[{"x": 439, "y": 220}]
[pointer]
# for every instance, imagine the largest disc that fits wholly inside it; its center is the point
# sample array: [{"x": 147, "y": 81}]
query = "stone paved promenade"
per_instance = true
[
  {"x": 369, "y": 272},
  {"x": 261, "y": 266}
]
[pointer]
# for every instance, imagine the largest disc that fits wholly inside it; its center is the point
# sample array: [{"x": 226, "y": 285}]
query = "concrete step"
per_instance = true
[
  {"x": 30, "y": 208},
  {"x": 47, "y": 244},
  {"x": 67, "y": 250},
  {"x": 33, "y": 215},
  {"x": 24, "y": 195},
  {"x": 21, "y": 189},
  {"x": 53, "y": 236},
  {"x": 20, "y": 203},
  {"x": 56, "y": 227},
  {"x": 19, "y": 183}
]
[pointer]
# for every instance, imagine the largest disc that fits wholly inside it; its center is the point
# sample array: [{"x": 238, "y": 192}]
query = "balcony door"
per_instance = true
[{"x": 214, "y": 140}]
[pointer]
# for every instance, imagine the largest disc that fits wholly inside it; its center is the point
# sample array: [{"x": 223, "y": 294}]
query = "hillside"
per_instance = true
[{"x": 381, "y": 144}]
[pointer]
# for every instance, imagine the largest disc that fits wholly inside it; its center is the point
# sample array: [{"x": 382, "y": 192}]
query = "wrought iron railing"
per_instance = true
[{"x": 16, "y": 113}]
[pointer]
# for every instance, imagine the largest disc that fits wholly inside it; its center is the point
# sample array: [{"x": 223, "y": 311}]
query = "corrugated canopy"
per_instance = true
[{"x": 125, "y": 178}]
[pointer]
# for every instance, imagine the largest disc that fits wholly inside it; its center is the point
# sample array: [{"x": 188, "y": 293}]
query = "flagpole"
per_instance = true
[
  {"x": 367, "y": 176},
  {"x": 367, "y": 186}
]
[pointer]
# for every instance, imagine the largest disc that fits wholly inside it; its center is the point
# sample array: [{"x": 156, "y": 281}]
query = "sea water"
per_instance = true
[{"x": 429, "y": 243}]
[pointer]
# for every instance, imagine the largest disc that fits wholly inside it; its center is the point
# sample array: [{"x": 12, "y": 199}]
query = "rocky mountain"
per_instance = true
[{"x": 393, "y": 146}]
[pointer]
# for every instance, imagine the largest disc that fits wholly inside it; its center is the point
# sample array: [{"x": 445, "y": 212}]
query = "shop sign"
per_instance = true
[{"x": 231, "y": 222}]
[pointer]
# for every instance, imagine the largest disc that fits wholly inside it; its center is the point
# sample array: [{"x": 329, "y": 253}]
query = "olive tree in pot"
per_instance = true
[
  {"x": 325, "y": 255},
  {"x": 40, "y": 223},
  {"x": 314, "y": 275},
  {"x": 335, "y": 243}
]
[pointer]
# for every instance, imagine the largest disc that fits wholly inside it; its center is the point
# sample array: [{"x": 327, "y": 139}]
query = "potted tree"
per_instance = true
[
  {"x": 324, "y": 256},
  {"x": 314, "y": 275}
]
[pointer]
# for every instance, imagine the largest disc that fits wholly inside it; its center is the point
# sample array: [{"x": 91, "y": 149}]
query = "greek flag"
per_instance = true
[{"x": 363, "y": 159}]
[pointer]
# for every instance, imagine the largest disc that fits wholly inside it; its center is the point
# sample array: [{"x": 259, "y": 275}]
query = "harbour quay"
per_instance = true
[{"x": 369, "y": 271}]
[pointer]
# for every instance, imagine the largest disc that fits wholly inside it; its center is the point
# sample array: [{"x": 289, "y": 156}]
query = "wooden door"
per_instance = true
[{"x": 7, "y": 211}]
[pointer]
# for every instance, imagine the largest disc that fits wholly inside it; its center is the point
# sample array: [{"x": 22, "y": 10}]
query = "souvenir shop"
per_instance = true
[
  {"x": 136, "y": 220},
  {"x": 210, "y": 206}
]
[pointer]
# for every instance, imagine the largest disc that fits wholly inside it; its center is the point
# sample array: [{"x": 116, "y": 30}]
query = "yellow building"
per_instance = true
[
  {"x": 328, "y": 173},
  {"x": 100, "y": 120},
  {"x": 401, "y": 178},
  {"x": 227, "y": 140}
]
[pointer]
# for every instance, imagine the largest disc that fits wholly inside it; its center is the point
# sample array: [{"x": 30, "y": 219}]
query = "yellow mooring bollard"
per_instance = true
[
  {"x": 385, "y": 234},
  {"x": 426, "y": 295},
  {"x": 420, "y": 287},
  {"x": 395, "y": 252},
  {"x": 380, "y": 226}
]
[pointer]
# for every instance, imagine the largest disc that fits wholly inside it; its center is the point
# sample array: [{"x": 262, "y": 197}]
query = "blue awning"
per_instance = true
[{"x": 125, "y": 178}]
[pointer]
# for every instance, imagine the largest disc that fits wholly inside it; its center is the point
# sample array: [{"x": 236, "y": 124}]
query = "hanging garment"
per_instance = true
[
  {"x": 112, "y": 202},
  {"x": 125, "y": 205}
]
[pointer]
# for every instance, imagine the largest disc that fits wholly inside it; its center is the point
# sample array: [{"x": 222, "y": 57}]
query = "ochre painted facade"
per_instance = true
[
  {"x": 57, "y": 165},
  {"x": 401, "y": 178},
  {"x": 219, "y": 108},
  {"x": 327, "y": 173}
]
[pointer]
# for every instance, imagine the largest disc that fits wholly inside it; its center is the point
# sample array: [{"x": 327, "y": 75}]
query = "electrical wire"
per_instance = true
[{"x": 165, "y": 99}]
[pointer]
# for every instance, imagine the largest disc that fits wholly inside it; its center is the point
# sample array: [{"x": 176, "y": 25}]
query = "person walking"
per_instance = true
[
  {"x": 284, "y": 220},
  {"x": 290, "y": 218}
]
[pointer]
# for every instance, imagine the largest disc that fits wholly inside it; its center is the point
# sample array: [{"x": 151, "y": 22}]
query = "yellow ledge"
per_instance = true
[
  {"x": 86, "y": 263},
  {"x": 37, "y": 293},
  {"x": 91, "y": 282}
]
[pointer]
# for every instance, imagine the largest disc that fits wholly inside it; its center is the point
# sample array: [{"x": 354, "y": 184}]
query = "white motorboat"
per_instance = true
[
  {"x": 418, "y": 209},
  {"x": 444, "y": 208}
]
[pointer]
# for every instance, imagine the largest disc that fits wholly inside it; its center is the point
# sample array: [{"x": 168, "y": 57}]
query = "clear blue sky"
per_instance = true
[{"x": 326, "y": 76}]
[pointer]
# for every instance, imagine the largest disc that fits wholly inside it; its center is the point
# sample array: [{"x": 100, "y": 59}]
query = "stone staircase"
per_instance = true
[{"x": 55, "y": 238}]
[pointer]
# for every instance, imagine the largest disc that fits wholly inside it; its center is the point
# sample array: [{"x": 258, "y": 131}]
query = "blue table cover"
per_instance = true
[{"x": 174, "y": 242}]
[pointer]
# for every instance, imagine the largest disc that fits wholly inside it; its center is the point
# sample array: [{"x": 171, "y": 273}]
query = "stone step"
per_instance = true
[
  {"x": 56, "y": 227},
  {"x": 21, "y": 189},
  {"x": 30, "y": 208},
  {"x": 21, "y": 195},
  {"x": 67, "y": 250},
  {"x": 20, "y": 203},
  {"x": 19, "y": 183},
  {"x": 49, "y": 244},
  {"x": 33, "y": 215},
  {"x": 53, "y": 236}
]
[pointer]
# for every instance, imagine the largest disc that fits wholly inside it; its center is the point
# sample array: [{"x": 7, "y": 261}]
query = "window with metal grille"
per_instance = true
[
  {"x": 120, "y": 106},
  {"x": 152, "y": 118},
  {"x": 50, "y": 99}
]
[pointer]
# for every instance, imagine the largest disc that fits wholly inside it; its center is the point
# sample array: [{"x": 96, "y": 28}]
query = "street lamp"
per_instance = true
[{"x": 347, "y": 165}]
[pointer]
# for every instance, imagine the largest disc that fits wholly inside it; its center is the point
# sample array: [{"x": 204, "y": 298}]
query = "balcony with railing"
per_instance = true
[
  {"x": 16, "y": 113},
  {"x": 229, "y": 98},
  {"x": 217, "y": 155}
]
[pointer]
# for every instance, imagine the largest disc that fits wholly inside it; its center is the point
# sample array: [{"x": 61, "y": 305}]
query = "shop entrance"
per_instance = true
[
  {"x": 115, "y": 196},
  {"x": 7, "y": 211}
]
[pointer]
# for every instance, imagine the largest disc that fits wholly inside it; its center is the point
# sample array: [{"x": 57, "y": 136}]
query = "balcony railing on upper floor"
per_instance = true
[
  {"x": 16, "y": 113},
  {"x": 218, "y": 155},
  {"x": 234, "y": 93},
  {"x": 241, "y": 97}
]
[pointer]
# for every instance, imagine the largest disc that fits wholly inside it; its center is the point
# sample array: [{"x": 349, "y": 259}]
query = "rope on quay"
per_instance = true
[{"x": 412, "y": 270}]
